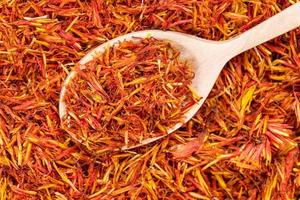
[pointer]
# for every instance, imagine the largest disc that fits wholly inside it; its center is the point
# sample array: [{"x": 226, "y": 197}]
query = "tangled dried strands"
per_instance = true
[
  {"x": 132, "y": 92},
  {"x": 256, "y": 89}
]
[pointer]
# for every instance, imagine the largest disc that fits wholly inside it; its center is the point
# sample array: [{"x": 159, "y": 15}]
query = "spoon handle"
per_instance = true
[{"x": 277, "y": 25}]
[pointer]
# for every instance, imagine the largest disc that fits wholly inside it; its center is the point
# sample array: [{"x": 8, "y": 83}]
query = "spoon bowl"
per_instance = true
[{"x": 208, "y": 57}]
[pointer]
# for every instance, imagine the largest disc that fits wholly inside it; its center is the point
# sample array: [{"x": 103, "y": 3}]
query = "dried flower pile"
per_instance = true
[
  {"x": 133, "y": 91},
  {"x": 242, "y": 144}
]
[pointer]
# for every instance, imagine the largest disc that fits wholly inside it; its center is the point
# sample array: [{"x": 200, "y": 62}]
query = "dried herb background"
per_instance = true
[{"x": 242, "y": 144}]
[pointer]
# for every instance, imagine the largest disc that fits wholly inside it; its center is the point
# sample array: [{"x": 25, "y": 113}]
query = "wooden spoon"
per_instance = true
[{"x": 208, "y": 57}]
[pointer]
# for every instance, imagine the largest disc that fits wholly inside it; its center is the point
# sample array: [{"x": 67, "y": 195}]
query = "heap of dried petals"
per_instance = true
[{"x": 245, "y": 136}]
